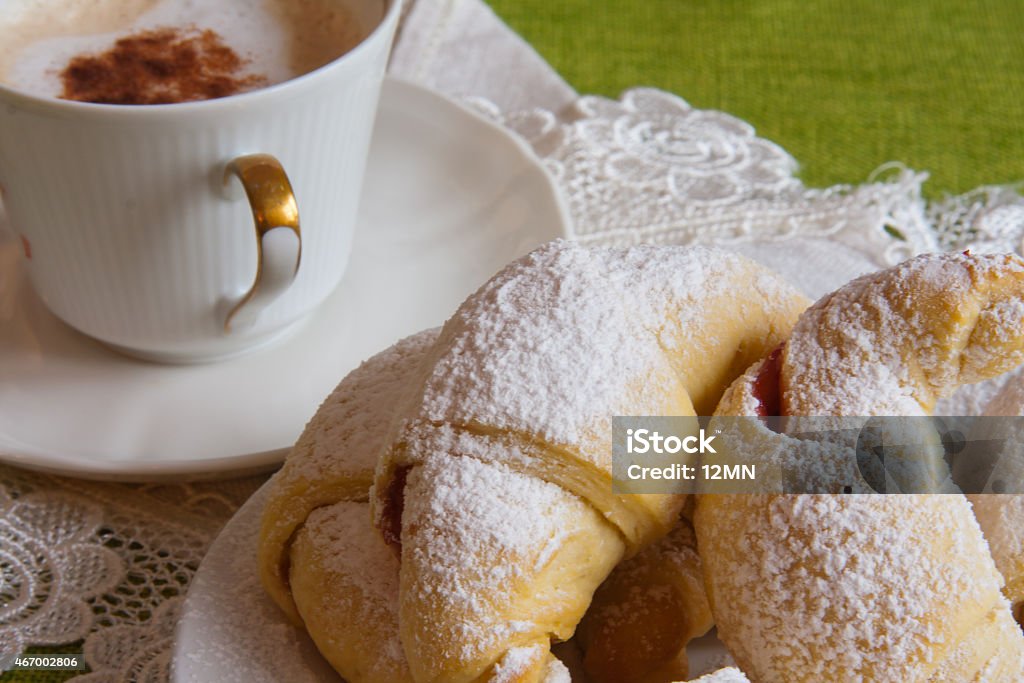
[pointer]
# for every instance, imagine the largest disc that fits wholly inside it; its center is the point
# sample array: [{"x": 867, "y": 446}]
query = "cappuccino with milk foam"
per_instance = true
[{"x": 274, "y": 40}]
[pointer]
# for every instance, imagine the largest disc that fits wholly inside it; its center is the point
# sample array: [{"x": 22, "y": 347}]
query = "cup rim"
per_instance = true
[{"x": 78, "y": 108}]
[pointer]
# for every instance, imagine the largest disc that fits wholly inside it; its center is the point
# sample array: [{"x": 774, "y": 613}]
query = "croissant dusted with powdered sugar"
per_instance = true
[
  {"x": 496, "y": 479},
  {"x": 870, "y": 587},
  {"x": 497, "y": 487},
  {"x": 320, "y": 559}
]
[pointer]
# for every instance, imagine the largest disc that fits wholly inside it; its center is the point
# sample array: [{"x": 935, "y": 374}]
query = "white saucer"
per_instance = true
[
  {"x": 449, "y": 198},
  {"x": 229, "y": 630}
]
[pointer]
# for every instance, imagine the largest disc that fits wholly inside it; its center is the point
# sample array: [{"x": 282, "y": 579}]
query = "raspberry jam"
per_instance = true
[
  {"x": 394, "y": 503},
  {"x": 767, "y": 387}
]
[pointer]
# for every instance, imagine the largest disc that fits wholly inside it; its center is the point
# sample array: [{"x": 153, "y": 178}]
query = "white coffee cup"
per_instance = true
[{"x": 134, "y": 224}]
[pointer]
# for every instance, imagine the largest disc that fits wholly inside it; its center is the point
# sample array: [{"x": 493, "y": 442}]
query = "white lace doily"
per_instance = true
[
  {"x": 104, "y": 563},
  {"x": 108, "y": 563},
  {"x": 650, "y": 168}
]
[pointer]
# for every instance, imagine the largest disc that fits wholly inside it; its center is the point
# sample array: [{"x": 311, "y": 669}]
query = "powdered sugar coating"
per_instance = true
[
  {"x": 728, "y": 675},
  {"x": 844, "y": 588},
  {"x": 891, "y": 343},
  {"x": 348, "y": 432},
  {"x": 569, "y": 336},
  {"x": 517, "y": 662},
  {"x": 561, "y": 341},
  {"x": 866, "y": 588},
  {"x": 335, "y": 457},
  {"x": 358, "y": 587},
  {"x": 348, "y": 545},
  {"x": 545, "y": 348},
  {"x": 473, "y": 550},
  {"x": 525, "y": 380},
  {"x": 815, "y": 460},
  {"x": 556, "y": 672}
]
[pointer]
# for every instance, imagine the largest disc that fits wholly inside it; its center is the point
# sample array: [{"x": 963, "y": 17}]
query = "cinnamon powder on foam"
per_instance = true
[{"x": 159, "y": 66}]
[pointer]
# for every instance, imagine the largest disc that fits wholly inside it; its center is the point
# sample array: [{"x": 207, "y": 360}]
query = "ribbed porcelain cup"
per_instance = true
[{"x": 194, "y": 231}]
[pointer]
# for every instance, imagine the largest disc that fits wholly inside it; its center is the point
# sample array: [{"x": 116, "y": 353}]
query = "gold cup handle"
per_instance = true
[{"x": 278, "y": 238}]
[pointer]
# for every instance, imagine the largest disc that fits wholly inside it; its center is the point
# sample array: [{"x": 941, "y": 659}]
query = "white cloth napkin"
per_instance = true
[{"x": 461, "y": 48}]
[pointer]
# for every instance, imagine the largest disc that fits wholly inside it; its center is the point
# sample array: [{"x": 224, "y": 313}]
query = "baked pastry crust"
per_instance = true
[
  {"x": 320, "y": 558},
  {"x": 881, "y": 588},
  {"x": 513, "y": 422},
  {"x": 344, "y": 581},
  {"x": 644, "y": 614}
]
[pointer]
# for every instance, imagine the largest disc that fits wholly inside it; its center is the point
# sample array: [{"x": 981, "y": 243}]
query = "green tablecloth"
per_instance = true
[{"x": 843, "y": 86}]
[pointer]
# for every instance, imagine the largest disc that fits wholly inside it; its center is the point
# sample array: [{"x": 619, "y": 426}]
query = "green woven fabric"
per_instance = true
[{"x": 843, "y": 86}]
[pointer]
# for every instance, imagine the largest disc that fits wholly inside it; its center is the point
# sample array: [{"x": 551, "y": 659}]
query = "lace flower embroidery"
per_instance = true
[{"x": 50, "y": 566}]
